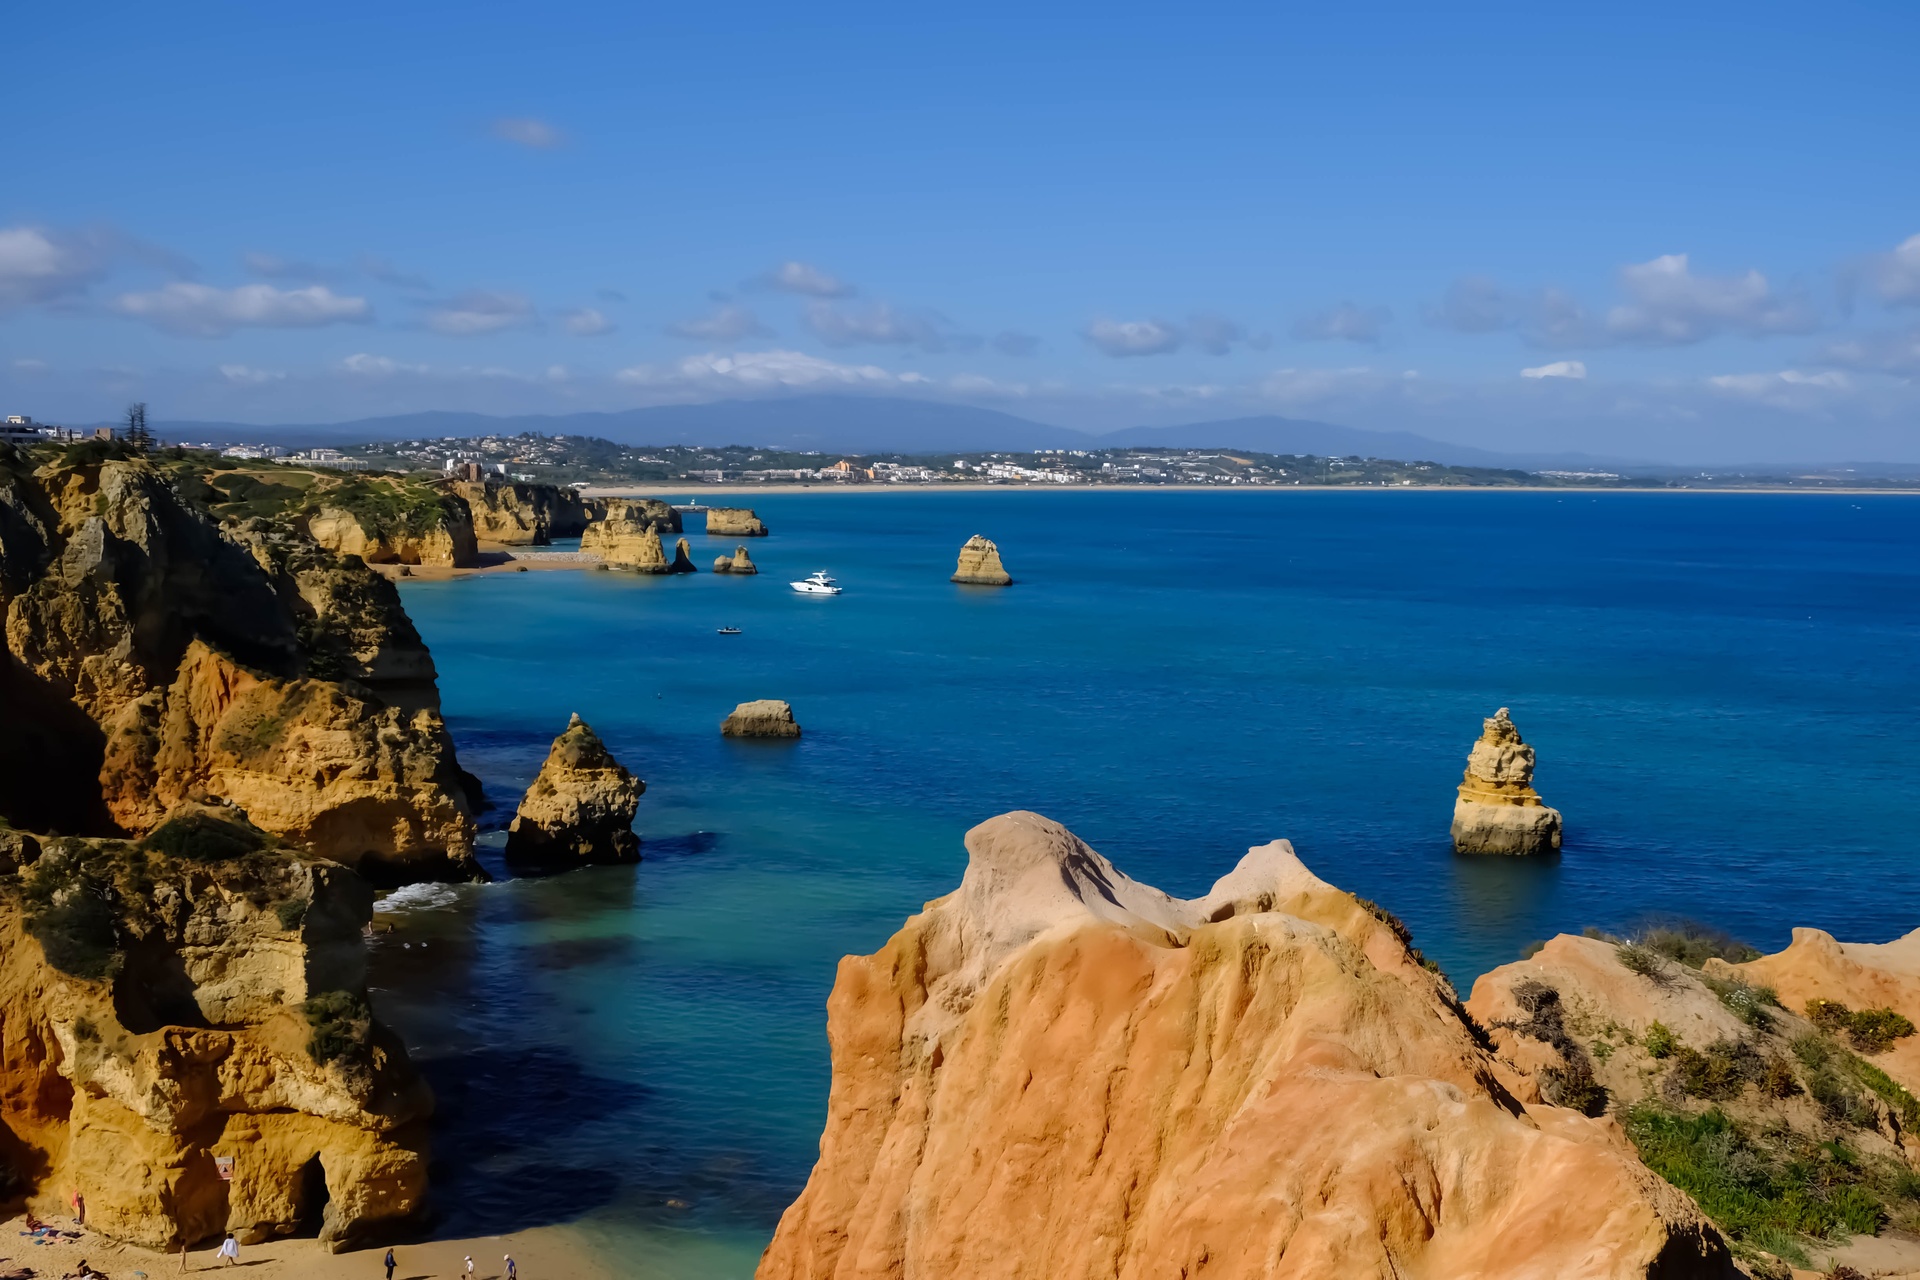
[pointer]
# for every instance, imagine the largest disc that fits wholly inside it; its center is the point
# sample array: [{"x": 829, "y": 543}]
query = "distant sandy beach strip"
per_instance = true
[
  {"x": 698, "y": 493},
  {"x": 540, "y": 1253}
]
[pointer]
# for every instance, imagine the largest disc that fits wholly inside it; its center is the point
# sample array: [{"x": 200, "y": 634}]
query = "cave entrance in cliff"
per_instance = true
[{"x": 311, "y": 1198}]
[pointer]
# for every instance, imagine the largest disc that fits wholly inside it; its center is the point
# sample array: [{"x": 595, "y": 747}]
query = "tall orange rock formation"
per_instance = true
[
  {"x": 979, "y": 564},
  {"x": 1498, "y": 811},
  {"x": 579, "y": 810},
  {"x": 1056, "y": 1072}
]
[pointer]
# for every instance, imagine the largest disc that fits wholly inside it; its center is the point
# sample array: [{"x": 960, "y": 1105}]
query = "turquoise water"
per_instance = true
[{"x": 1722, "y": 690}]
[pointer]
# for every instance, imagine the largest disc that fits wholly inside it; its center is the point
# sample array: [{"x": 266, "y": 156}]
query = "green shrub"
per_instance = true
[
  {"x": 1660, "y": 1040},
  {"x": 291, "y": 912},
  {"x": 342, "y": 1025},
  {"x": 79, "y": 931},
  {"x": 1571, "y": 1082},
  {"x": 1649, "y": 964},
  {"x": 1693, "y": 943},
  {"x": 1721, "y": 1072},
  {"x": 204, "y": 837},
  {"x": 1748, "y": 1003}
]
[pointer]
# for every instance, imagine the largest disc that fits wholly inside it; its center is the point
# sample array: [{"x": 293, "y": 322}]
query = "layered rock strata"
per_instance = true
[
  {"x": 579, "y": 810},
  {"x": 1056, "y": 1071},
  {"x": 195, "y": 997},
  {"x": 980, "y": 564},
  {"x": 158, "y": 654},
  {"x": 441, "y": 534},
  {"x": 766, "y": 718},
  {"x": 627, "y": 537},
  {"x": 524, "y": 514},
  {"x": 734, "y": 522},
  {"x": 738, "y": 563},
  {"x": 1498, "y": 811}
]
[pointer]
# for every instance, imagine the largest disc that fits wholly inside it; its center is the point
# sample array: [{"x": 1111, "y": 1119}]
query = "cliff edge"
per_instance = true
[{"x": 1057, "y": 1071}]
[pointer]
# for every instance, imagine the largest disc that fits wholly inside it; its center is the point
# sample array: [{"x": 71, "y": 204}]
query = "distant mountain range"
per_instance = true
[{"x": 869, "y": 424}]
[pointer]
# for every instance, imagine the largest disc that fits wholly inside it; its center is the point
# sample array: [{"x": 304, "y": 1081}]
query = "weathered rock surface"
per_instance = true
[
  {"x": 734, "y": 522},
  {"x": 441, "y": 536},
  {"x": 153, "y": 652},
  {"x": 1498, "y": 811},
  {"x": 739, "y": 562},
  {"x": 523, "y": 514},
  {"x": 1055, "y": 1071},
  {"x": 207, "y": 998},
  {"x": 682, "y": 558},
  {"x": 579, "y": 810},
  {"x": 627, "y": 536},
  {"x": 766, "y": 718},
  {"x": 980, "y": 564}
]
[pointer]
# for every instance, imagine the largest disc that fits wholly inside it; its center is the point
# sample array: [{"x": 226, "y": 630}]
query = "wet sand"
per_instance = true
[{"x": 542, "y": 1253}]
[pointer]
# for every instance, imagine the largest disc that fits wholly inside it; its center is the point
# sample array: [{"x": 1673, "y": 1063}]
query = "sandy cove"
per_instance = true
[{"x": 541, "y": 1253}]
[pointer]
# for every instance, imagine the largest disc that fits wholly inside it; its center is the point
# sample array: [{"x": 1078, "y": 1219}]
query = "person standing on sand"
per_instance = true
[
  {"x": 390, "y": 1264},
  {"x": 469, "y": 1264},
  {"x": 513, "y": 1272},
  {"x": 230, "y": 1250}
]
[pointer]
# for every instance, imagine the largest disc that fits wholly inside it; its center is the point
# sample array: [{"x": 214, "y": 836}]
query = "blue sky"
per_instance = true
[{"x": 1698, "y": 226}]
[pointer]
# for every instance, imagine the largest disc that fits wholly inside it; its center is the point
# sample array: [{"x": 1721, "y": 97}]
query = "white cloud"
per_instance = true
[
  {"x": 1671, "y": 306},
  {"x": 1344, "y": 323},
  {"x": 246, "y": 375},
  {"x": 203, "y": 311},
  {"x": 1121, "y": 338},
  {"x": 362, "y": 364},
  {"x": 1557, "y": 369},
  {"x": 765, "y": 370},
  {"x": 524, "y": 131},
  {"x": 1896, "y": 276},
  {"x": 30, "y": 364},
  {"x": 42, "y": 265},
  {"x": 474, "y": 314},
  {"x": 1217, "y": 335},
  {"x": 1897, "y": 353},
  {"x": 806, "y": 280},
  {"x": 879, "y": 324},
  {"x": 586, "y": 322},
  {"x": 1787, "y": 389},
  {"x": 725, "y": 324}
]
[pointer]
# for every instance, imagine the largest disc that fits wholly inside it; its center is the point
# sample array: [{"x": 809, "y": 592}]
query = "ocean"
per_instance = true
[{"x": 1722, "y": 689}]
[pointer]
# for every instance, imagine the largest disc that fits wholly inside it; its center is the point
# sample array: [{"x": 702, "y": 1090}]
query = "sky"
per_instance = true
[{"x": 1681, "y": 232}]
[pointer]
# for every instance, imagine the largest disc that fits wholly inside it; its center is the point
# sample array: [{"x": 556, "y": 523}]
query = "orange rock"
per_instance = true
[{"x": 1057, "y": 1072}]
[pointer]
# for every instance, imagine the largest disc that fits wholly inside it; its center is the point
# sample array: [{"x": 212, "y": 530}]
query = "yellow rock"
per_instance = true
[
  {"x": 446, "y": 539},
  {"x": 734, "y": 522},
  {"x": 980, "y": 564},
  {"x": 765, "y": 718},
  {"x": 627, "y": 537},
  {"x": 523, "y": 514},
  {"x": 579, "y": 810},
  {"x": 1056, "y": 1072},
  {"x": 1498, "y": 811},
  {"x": 737, "y": 563}
]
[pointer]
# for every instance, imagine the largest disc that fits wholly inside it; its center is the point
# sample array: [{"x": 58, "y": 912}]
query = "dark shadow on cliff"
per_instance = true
[{"x": 50, "y": 757}]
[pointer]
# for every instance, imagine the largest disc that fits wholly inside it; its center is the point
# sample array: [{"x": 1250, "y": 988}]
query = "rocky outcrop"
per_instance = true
[
  {"x": 682, "y": 558},
  {"x": 734, "y": 522},
  {"x": 524, "y": 514},
  {"x": 433, "y": 532},
  {"x": 201, "y": 994},
  {"x": 980, "y": 564},
  {"x": 579, "y": 810},
  {"x": 174, "y": 655},
  {"x": 1056, "y": 1071},
  {"x": 627, "y": 537},
  {"x": 766, "y": 718},
  {"x": 1498, "y": 811},
  {"x": 737, "y": 563}
]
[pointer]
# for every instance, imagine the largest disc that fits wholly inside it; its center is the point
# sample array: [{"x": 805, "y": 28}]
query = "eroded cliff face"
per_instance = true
[
  {"x": 153, "y": 653},
  {"x": 522, "y": 514},
  {"x": 980, "y": 566},
  {"x": 1497, "y": 810},
  {"x": 443, "y": 535},
  {"x": 628, "y": 536},
  {"x": 197, "y": 995},
  {"x": 579, "y": 810},
  {"x": 734, "y": 522},
  {"x": 1056, "y": 1072}
]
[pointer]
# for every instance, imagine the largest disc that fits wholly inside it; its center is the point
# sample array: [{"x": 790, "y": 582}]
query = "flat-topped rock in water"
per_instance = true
[
  {"x": 1498, "y": 811},
  {"x": 1056, "y": 1071},
  {"x": 579, "y": 810},
  {"x": 767, "y": 718},
  {"x": 627, "y": 537},
  {"x": 737, "y": 563},
  {"x": 980, "y": 565},
  {"x": 682, "y": 558},
  {"x": 734, "y": 522}
]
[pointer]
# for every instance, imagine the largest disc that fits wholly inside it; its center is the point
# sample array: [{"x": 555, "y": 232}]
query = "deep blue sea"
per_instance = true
[{"x": 1723, "y": 691}]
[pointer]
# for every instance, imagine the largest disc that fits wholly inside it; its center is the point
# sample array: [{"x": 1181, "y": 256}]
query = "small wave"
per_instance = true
[{"x": 418, "y": 897}]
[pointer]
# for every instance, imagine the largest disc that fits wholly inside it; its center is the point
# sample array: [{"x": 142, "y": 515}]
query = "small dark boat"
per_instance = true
[{"x": 729, "y": 631}]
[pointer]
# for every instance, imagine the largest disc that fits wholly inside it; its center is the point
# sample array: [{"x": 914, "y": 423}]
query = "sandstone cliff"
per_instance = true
[
  {"x": 739, "y": 563},
  {"x": 439, "y": 535},
  {"x": 155, "y": 653},
  {"x": 627, "y": 536},
  {"x": 579, "y": 810},
  {"x": 1498, "y": 811},
  {"x": 1057, "y": 1072},
  {"x": 980, "y": 564},
  {"x": 765, "y": 718},
  {"x": 734, "y": 522},
  {"x": 200, "y": 994},
  {"x": 523, "y": 514}
]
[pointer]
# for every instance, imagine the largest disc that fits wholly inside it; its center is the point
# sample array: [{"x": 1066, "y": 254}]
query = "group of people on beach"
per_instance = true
[{"x": 512, "y": 1273}]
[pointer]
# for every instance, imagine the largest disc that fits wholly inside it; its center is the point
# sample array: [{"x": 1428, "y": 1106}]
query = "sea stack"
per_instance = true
[
  {"x": 734, "y": 522},
  {"x": 767, "y": 718},
  {"x": 1498, "y": 810},
  {"x": 682, "y": 558},
  {"x": 980, "y": 564},
  {"x": 627, "y": 537},
  {"x": 1055, "y": 1070},
  {"x": 579, "y": 811},
  {"x": 739, "y": 563}
]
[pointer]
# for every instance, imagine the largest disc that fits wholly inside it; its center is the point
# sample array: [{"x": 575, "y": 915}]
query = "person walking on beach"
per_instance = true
[
  {"x": 513, "y": 1272},
  {"x": 230, "y": 1250},
  {"x": 469, "y": 1264},
  {"x": 390, "y": 1264}
]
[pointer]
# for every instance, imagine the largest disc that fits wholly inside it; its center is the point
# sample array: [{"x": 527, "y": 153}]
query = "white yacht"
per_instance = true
[{"x": 816, "y": 583}]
